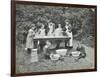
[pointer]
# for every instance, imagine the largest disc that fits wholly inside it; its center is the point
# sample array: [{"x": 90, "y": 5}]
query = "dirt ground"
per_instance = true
[{"x": 43, "y": 65}]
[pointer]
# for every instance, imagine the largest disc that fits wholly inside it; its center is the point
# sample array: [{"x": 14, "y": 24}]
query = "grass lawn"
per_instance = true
[{"x": 43, "y": 65}]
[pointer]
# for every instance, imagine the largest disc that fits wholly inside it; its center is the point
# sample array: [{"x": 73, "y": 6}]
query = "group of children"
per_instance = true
[{"x": 52, "y": 31}]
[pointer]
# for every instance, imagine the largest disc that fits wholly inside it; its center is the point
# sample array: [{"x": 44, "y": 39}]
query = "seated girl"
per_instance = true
[
  {"x": 79, "y": 53},
  {"x": 51, "y": 54},
  {"x": 81, "y": 49}
]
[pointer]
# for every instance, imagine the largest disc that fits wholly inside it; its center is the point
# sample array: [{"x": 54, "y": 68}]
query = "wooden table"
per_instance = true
[{"x": 51, "y": 38}]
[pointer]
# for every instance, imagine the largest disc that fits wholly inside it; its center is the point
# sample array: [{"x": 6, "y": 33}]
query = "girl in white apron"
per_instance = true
[
  {"x": 41, "y": 33},
  {"x": 70, "y": 42},
  {"x": 32, "y": 55},
  {"x": 58, "y": 32},
  {"x": 51, "y": 29},
  {"x": 29, "y": 39},
  {"x": 69, "y": 34}
]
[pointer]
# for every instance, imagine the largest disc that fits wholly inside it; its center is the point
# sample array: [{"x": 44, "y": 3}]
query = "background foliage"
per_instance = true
[{"x": 81, "y": 19}]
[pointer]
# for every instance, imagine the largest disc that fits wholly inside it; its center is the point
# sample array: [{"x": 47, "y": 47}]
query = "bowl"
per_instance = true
[
  {"x": 54, "y": 57},
  {"x": 75, "y": 53},
  {"x": 34, "y": 50},
  {"x": 61, "y": 51}
]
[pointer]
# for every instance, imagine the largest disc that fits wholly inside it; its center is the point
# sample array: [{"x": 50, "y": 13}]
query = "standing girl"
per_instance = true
[
  {"x": 51, "y": 27},
  {"x": 41, "y": 34},
  {"x": 69, "y": 34},
  {"x": 42, "y": 30},
  {"x": 29, "y": 39}
]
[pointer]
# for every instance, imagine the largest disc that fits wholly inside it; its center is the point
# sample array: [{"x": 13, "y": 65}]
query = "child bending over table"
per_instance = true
[{"x": 49, "y": 43}]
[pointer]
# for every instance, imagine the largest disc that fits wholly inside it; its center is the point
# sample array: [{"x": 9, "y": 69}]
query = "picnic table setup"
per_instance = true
[
  {"x": 60, "y": 52},
  {"x": 51, "y": 38}
]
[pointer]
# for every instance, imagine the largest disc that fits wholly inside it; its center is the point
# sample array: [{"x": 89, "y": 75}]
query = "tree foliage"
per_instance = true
[{"x": 81, "y": 19}]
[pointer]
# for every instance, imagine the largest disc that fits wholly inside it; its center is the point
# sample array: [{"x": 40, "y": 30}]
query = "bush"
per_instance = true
[{"x": 79, "y": 18}]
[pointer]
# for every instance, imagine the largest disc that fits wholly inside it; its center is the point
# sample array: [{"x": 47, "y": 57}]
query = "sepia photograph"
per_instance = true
[{"x": 54, "y": 37}]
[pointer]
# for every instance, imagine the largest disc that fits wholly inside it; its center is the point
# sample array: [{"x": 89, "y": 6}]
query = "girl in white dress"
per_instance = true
[
  {"x": 58, "y": 32},
  {"x": 42, "y": 30},
  {"x": 29, "y": 40},
  {"x": 41, "y": 33},
  {"x": 51, "y": 29},
  {"x": 70, "y": 42},
  {"x": 69, "y": 34}
]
